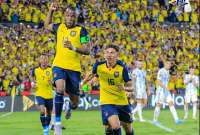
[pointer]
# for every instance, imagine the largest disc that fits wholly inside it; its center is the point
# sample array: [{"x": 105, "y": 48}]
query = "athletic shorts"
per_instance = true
[
  {"x": 48, "y": 103},
  {"x": 72, "y": 79},
  {"x": 123, "y": 112},
  {"x": 190, "y": 96},
  {"x": 163, "y": 97}
]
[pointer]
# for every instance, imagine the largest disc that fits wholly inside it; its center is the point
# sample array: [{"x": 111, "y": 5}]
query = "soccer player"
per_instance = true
[
  {"x": 192, "y": 83},
  {"x": 44, "y": 94},
  {"x": 139, "y": 79},
  {"x": 163, "y": 93},
  {"x": 114, "y": 82},
  {"x": 72, "y": 42}
]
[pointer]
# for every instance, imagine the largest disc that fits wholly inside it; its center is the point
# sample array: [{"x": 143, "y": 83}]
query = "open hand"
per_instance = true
[{"x": 53, "y": 6}]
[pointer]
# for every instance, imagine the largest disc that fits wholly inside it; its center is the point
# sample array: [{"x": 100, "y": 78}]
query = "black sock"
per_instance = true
[
  {"x": 108, "y": 131},
  {"x": 42, "y": 119},
  {"x": 132, "y": 133},
  {"x": 117, "y": 131},
  {"x": 48, "y": 120}
]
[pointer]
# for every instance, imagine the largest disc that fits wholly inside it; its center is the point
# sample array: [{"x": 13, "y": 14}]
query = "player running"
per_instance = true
[
  {"x": 114, "y": 82},
  {"x": 72, "y": 41},
  {"x": 192, "y": 83},
  {"x": 44, "y": 91}
]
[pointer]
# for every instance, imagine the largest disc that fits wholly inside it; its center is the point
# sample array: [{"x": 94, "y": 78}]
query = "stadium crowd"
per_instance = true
[{"x": 142, "y": 29}]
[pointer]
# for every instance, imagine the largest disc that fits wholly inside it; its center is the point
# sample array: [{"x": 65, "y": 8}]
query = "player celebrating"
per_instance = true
[
  {"x": 44, "y": 95},
  {"x": 114, "y": 82},
  {"x": 192, "y": 83},
  {"x": 72, "y": 41},
  {"x": 139, "y": 79},
  {"x": 163, "y": 93}
]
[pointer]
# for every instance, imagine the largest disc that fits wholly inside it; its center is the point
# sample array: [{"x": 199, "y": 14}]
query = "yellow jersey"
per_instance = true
[
  {"x": 66, "y": 58},
  {"x": 109, "y": 78},
  {"x": 43, "y": 79}
]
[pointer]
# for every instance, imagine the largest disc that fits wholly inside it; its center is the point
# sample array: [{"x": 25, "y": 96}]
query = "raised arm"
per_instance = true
[{"x": 48, "y": 22}]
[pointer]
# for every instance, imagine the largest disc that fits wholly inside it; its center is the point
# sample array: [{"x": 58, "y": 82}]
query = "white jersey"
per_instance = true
[
  {"x": 163, "y": 76},
  {"x": 140, "y": 76},
  {"x": 140, "y": 82},
  {"x": 191, "y": 89},
  {"x": 189, "y": 80},
  {"x": 162, "y": 94}
]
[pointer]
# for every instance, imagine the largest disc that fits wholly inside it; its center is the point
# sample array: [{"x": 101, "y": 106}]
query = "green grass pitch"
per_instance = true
[{"x": 89, "y": 123}]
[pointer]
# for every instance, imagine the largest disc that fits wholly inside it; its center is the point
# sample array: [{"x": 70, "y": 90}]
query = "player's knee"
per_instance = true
[
  {"x": 42, "y": 110},
  {"x": 171, "y": 103},
  {"x": 158, "y": 105},
  {"x": 115, "y": 126}
]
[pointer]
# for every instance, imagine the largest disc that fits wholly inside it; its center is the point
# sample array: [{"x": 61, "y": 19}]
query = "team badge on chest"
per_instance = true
[
  {"x": 116, "y": 74},
  {"x": 73, "y": 33},
  {"x": 47, "y": 73}
]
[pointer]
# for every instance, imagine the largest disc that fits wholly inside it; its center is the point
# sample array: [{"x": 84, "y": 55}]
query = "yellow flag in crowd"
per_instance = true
[{"x": 27, "y": 103}]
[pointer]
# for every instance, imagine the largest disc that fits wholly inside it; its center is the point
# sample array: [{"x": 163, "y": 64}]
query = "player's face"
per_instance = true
[
  {"x": 140, "y": 64},
  {"x": 167, "y": 65},
  {"x": 70, "y": 17},
  {"x": 192, "y": 71},
  {"x": 44, "y": 61},
  {"x": 111, "y": 55}
]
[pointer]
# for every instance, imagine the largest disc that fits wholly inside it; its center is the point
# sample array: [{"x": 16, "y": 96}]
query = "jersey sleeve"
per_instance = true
[
  {"x": 185, "y": 79},
  {"x": 84, "y": 36},
  {"x": 133, "y": 74},
  {"x": 197, "y": 80},
  {"x": 160, "y": 75},
  {"x": 126, "y": 75},
  {"x": 55, "y": 28},
  {"x": 94, "y": 69},
  {"x": 33, "y": 72}
]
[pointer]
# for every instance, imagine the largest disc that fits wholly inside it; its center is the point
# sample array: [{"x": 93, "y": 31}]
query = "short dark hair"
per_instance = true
[
  {"x": 192, "y": 67},
  {"x": 114, "y": 47}
]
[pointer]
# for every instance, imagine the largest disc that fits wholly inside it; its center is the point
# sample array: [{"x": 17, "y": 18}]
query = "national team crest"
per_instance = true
[
  {"x": 116, "y": 74},
  {"x": 47, "y": 73},
  {"x": 73, "y": 33}
]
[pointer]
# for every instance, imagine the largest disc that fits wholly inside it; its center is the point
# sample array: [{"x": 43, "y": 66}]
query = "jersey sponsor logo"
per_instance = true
[
  {"x": 73, "y": 33},
  {"x": 47, "y": 73},
  {"x": 116, "y": 74}
]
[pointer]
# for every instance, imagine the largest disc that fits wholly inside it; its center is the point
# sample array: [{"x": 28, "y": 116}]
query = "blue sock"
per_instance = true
[
  {"x": 58, "y": 106},
  {"x": 117, "y": 131},
  {"x": 42, "y": 119}
]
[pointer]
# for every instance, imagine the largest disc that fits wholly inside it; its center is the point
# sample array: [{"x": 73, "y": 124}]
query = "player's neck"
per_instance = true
[
  {"x": 43, "y": 66},
  {"x": 111, "y": 64}
]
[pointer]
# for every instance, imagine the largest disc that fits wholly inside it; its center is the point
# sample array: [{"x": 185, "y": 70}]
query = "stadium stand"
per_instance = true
[{"x": 142, "y": 29}]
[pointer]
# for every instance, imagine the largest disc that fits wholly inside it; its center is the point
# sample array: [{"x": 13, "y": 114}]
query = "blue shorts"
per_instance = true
[
  {"x": 123, "y": 112},
  {"x": 48, "y": 103},
  {"x": 72, "y": 79}
]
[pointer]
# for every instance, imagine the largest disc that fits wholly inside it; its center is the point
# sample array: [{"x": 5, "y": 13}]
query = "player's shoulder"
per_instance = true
[
  {"x": 162, "y": 70},
  {"x": 36, "y": 68},
  {"x": 121, "y": 63},
  {"x": 33, "y": 70},
  {"x": 49, "y": 68},
  {"x": 99, "y": 63}
]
